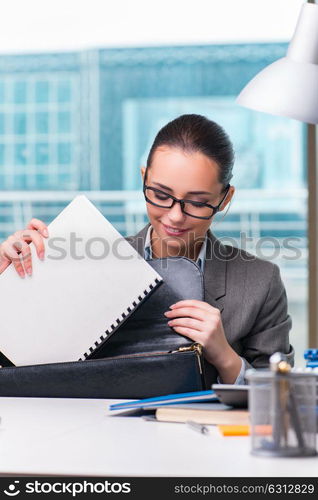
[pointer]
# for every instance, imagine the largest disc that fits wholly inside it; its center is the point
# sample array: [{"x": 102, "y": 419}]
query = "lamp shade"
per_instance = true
[{"x": 289, "y": 86}]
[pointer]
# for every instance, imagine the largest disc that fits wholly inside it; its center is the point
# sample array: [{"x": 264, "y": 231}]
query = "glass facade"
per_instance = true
[{"x": 38, "y": 129}]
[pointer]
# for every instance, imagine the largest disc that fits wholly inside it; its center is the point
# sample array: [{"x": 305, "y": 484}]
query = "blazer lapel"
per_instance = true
[
  {"x": 138, "y": 241},
  {"x": 215, "y": 272}
]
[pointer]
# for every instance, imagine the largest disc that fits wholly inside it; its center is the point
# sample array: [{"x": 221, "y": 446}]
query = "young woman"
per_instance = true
[{"x": 244, "y": 318}]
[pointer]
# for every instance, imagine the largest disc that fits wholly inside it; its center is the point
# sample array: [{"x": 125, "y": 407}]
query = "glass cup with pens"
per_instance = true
[{"x": 282, "y": 406}]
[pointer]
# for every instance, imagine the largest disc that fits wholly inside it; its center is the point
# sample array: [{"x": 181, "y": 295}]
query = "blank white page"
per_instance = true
[{"x": 90, "y": 280}]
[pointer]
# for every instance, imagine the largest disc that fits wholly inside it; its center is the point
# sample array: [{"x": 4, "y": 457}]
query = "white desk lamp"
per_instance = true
[{"x": 289, "y": 87}]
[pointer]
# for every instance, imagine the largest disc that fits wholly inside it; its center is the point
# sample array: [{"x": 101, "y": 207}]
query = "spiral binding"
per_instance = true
[{"x": 118, "y": 321}]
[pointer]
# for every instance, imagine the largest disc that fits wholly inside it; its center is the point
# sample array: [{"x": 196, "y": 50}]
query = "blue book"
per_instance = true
[
  {"x": 185, "y": 397},
  {"x": 311, "y": 355}
]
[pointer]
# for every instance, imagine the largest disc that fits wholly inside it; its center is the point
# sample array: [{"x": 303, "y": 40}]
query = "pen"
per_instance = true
[{"x": 197, "y": 427}]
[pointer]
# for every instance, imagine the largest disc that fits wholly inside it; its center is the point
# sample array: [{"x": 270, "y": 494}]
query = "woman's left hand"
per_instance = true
[{"x": 202, "y": 323}]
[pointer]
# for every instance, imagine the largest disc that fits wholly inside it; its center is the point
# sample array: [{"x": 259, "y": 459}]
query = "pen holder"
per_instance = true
[
  {"x": 311, "y": 357},
  {"x": 282, "y": 413}
]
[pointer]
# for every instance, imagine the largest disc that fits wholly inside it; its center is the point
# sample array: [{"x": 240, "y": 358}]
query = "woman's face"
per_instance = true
[{"x": 191, "y": 176}]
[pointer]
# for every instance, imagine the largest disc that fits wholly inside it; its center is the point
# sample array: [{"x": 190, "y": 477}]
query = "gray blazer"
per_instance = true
[{"x": 251, "y": 297}]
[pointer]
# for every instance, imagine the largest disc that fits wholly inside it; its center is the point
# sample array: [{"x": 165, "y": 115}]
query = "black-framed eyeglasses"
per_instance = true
[{"x": 192, "y": 208}]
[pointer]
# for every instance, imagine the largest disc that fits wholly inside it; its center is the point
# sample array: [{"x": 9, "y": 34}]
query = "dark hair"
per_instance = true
[{"x": 197, "y": 133}]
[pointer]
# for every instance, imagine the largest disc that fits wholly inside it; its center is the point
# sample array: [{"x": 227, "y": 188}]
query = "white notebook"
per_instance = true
[{"x": 90, "y": 280}]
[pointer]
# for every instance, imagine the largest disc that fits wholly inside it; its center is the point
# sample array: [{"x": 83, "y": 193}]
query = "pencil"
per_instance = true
[{"x": 234, "y": 430}]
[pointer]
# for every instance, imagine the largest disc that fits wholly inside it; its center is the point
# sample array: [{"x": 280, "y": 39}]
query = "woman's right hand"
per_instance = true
[{"x": 15, "y": 249}]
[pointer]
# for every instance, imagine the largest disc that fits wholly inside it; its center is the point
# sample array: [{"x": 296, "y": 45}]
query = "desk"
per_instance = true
[{"x": 79, "y": 437}]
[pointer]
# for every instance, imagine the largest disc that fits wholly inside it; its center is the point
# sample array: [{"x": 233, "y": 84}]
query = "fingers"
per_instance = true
[
  {"x": 11, "y": 251},
  {"x": 29, "y": 235},
  {"x": 188, "y": 332},
  {"x": 16, "y": 250},
  {"x": 25, "y": 259},
  {"x": 194, "y": 324},
  {"x": 193, "y": 303},
  {"x": 192, "y": 312},
  {"x": 39, "y": 226},
  {"x": 4, "y": 263}
]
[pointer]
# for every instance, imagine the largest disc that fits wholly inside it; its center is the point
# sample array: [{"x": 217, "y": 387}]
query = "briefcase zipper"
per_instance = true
[{"x": 195, "y": 347}]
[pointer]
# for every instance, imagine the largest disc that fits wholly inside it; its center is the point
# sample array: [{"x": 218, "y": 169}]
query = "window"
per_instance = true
[
  {"x": 2, "y": 123},
  {"x": 64, "y": 122},
  {"x": 21, "y": 154},
  {"x": 64, "y": 91},
  {"x": 64, "y": 153},
  {"x": 2, "y": 92},
  {"x": 42, "y": 91},
  {"x": 20, "y": 92},
  {"x": 19, "y": 123},
  {"x": 42, "y": 154},
  {"x": 20, "y": 181},
  {"x": 2, "y": 154},
  {"x": 41, "y": 122},
  {"x": 39, "y": 129}
]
